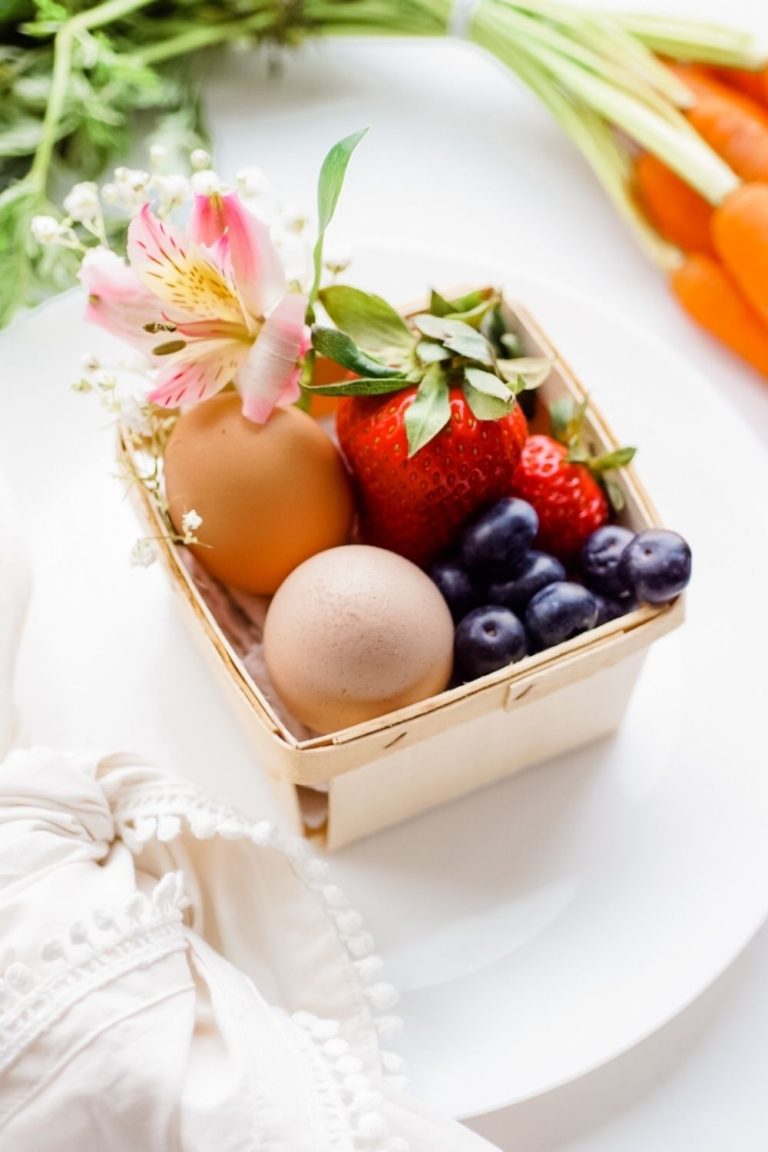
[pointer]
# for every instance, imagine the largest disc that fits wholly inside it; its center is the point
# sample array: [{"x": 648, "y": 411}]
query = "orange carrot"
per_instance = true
[
  {"x": 676, "y": 211},
  {"x": 711, "y": 298},
  {"x": 740, "y": 233},
  {"x": 732, "y": 124},
  {"x": 752, "y": 84}
]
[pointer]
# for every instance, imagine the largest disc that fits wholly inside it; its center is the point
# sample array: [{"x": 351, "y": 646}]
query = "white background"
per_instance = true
[{"x": 461, "y": 157}]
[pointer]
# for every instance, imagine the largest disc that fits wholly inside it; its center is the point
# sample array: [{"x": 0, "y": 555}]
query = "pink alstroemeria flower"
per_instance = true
[{"x": 210, "y": 306}]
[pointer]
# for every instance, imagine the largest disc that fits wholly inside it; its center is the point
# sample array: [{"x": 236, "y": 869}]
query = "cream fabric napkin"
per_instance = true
[
  {"x": 174, "y": 977},
  {"x": 14, "y": 594}
]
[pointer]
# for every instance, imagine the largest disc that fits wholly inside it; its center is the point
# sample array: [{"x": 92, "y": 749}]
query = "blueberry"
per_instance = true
[
  {"x": 487, "y": 639},
  {"x": 456, "y": 586},
  {"x": 600, "y": 556},
  {"x": 656, "y": 565},
  {"x": 610, "y": 609},
  {"x": 534, "y": 572},
  {"x": 560, "y": 612},
  {"x": 500, "y": 536}
]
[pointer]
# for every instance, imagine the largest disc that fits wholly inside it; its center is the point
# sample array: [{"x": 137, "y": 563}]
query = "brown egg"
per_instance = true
[
  {"x": 270, "y": 495},
  {"x": 356, "y": 632}
]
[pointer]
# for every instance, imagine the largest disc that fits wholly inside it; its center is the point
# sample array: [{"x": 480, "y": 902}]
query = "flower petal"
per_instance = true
[
  {"x": 270, "y": 375},
  {"x": 256, "y": 266},
  {"x": 179, "y": 272},
  {"x": 200, "y": 371},
  {"x": 208, "y": 223},
  {"x": 117, "y": 299}
]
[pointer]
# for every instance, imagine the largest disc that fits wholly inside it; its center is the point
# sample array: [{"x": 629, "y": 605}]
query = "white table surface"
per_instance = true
[{"x": 461, "y": 157}]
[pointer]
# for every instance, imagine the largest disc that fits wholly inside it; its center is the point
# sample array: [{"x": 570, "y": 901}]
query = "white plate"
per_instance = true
[{"x": 541, "y": 927}]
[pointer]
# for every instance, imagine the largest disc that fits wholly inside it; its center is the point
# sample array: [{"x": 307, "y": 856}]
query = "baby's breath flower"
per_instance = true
[
  {"x": 172, "y": 189},
  {"x": 251, "y": 182},
  {"x": 206, "y": 181},
  {"x": 337, "y": 258},
  {"x": 134, "y": 419},
  {"x": 129, "y": 190},
  {"x": 144, "y": 553},
  {"x": 106, "y": 381},
  {"x": 82, "y": 203},
  {"x": 292, "y": 218},
  {"x": 200, "y": 159},
  {"x": 46, "y": 229},
  {"x": 89, "y": 362},
  {"x": 190, "y": 522},
  {"x": 157, "y": 154},
  {"x": 82, "y": 385}
]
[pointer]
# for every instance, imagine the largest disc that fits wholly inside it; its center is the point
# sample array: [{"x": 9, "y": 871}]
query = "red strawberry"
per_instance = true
[
  {"x": 567, "y": 497},
  {"x": 415, "y": 505}
]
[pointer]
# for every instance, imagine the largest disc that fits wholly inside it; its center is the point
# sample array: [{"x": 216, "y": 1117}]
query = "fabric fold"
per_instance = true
[
  {"x": 15, "y": 581},
  {"x": 174, "y": 976}
]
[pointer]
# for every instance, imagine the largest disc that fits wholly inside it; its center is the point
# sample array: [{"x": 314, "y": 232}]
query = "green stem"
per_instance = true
[
  {"x": 595, "y": 140},
  {"x": 687, "y": 154},
  {"x": 64, "y": 43},
  {"x": 206, "y": 37},
  {"x": 702, "y": 41}
]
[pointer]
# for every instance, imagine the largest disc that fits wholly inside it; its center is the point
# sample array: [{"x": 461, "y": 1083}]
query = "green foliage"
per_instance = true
[
  {"x": 434, "y": 350},
  {"x": 370, "y": 321},
  {"x": 340, "y": 348},
  {"x": 360, "y": 386},
  {"x": 455, "y": 335},
  {"x": 430, "y": 411},
  {"x": 329, "y": 186},
  {"x": 489, "y": 397}
]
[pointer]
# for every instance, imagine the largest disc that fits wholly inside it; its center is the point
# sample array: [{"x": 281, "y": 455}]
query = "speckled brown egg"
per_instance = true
[
  {"x": 270, "y": 495},
  {"x": 356, "y": 632}
]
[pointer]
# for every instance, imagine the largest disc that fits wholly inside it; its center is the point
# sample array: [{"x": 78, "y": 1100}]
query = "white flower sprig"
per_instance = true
[{"x": 90, "y": 208}]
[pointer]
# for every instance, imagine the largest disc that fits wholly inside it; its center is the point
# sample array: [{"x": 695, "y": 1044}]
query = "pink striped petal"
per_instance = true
[
  {"x": 179, "y": 272},
  {"x": 117, "y": 299},
  {"x": 208, "y": 223},
  {"x": 256, "y": 266},
  {"x": 202, "y": 370},
  {"x": 270, "y": 375}
]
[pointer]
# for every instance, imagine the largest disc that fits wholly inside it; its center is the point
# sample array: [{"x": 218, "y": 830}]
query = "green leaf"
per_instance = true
[
  {"x": 474, "y": 316},
  {"x": 329, "y": 187},
  {"x": 488, "y": 396},
  {"x": 22, "y": 137},
  {"x": 479, "y": 301},
  {"x": 456, "y": 335},
  {"x": 485, "y": 407},
  {"x": 488, "y": 383},
  {"x": 360, "y": 386},
  {"x": 428, "y": 352},
  {"x": 495, "y": 328},
  {"x": 617, "y": 459},
  {"x": 511, "y": 343},
  {"x": 438, "y": 305},
  {"x": 430, "y": 411},
  {"x": 615, "y": 494},
  {"x": 371, "y": 322},
  {"x": 531, "y": 370},
  {"x": 567, "y": 418},
  {"x": 337, "y": 346}
]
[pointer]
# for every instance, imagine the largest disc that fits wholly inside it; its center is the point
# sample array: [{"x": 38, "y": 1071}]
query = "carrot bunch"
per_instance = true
[{"x": 721, "y": 277}]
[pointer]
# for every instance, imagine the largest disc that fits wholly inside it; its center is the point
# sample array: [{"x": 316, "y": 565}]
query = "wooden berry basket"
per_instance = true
[{"x": 387, "y": 770}]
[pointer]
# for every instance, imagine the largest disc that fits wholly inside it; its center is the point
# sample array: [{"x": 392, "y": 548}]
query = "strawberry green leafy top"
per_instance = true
[{"x": 462, "y": 342}]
